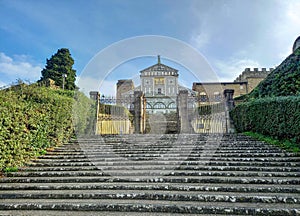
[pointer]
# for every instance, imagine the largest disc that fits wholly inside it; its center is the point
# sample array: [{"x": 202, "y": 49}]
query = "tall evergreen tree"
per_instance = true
[{"x": 60, "y": 64}]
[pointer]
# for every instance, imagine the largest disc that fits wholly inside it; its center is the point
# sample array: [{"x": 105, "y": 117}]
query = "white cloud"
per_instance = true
[
  {"x": 18, "y": 67},
  {"x": 229, "y": 70},
  {"x": 5, "y": 59},
  {"x": 87, "y": 84},
  {"x": 200, "y": 40},
  {"x": 266, "y": 38},
  {"x": 287, "y": 29}
]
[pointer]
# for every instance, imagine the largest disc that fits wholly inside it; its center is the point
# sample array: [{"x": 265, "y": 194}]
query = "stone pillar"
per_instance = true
[
  {"x": 139, "y": 113},
  {"x": 94, "y": 95},
  {"x": 229, "y": 105},
  {"x": 182, "y": 109},
  {"x": 228, "y": 95}
]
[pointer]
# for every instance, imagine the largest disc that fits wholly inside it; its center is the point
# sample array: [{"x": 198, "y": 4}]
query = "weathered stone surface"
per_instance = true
[{"x": 148, "y": 175}]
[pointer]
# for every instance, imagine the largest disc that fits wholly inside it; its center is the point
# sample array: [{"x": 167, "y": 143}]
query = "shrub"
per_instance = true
[
  {"x": 34, "y": 118},
  {"x": 278, "y": 117}
]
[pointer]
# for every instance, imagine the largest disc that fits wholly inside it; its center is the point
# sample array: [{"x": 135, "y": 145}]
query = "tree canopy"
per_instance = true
[{"x": 60, "y": 64}]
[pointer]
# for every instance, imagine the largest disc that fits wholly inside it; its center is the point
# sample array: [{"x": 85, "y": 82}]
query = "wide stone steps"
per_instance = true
[
  {"x": 154, "y": 195},
  {"x": 156, "y": 175},
  {"x": 166, "y": 167},
  {"x": 149, "y": 179},
  {"x": 169, "y": 162},
  {"x": 165, "y": 172},
  {"x": 220, "y": 188},
  {"x": 216, "y": 156},
  {"x": 132, "y": 205},
  {"x": 89, "y": 213}
]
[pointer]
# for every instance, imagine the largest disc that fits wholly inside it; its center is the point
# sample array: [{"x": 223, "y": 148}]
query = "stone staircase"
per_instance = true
[{"x": 156, "y": 175}]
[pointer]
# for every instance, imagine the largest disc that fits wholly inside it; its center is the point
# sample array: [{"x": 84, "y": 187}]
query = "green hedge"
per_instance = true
[
  {"x": 84, "y": 115},
  {"x": 33, "y": 119},
  {"x": 278, "y": 117}
]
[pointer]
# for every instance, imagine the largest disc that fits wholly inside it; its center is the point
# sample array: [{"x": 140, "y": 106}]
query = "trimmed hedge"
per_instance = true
[
  {"x": 278, "y": 117},
  {"x": 34, "y": 118}
]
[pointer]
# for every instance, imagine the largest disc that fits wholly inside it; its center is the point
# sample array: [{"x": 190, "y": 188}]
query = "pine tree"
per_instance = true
[{"x": 60, "y": 64}]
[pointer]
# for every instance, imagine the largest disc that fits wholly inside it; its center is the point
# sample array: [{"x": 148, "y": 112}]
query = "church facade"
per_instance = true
[{"x": 159, "y": 84}]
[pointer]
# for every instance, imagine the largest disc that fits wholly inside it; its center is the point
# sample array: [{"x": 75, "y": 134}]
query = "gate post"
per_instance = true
[
  {"x": 94, "y": 95},
  {"x": 139, "y": 112},
  {"x": 229, "y": 105},
  {"x": 182, "y": 109}
]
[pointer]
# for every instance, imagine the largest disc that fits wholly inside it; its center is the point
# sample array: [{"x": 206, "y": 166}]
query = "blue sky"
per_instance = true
[{"x": 231, "y": 34}]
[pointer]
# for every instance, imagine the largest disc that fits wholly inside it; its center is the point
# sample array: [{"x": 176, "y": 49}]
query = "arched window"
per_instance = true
[
  {"x": 159, "y": 105},
  {"x": 148, "y": 106},
  {"x": 172, "y": 105}
]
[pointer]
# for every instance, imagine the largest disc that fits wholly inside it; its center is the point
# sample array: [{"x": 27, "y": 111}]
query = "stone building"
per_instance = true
[
  {"x": 160, "y": 86},
  {"x": 243, "y": 84},
  {"x": 124, "y": 86}
]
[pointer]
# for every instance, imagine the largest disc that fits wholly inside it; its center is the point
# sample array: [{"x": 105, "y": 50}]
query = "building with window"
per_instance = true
[
  {"x": 243, "y": 84},
  {"x": 159, "y": 83}
]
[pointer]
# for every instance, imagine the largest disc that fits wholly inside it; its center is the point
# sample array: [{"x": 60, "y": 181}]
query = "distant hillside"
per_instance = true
[{"x": 283, "y": 81}]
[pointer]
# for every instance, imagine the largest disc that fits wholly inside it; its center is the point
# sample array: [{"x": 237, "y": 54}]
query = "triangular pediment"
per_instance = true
[{"x": 159, "y": 67}]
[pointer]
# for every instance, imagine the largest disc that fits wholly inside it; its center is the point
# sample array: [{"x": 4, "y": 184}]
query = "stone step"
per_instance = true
[
  {"x": 153, "y": 195},
  {"x": 128, "y": 162},
  {"x": 192, "y": 150},
  {"x": 123, "y": 205},
  {"x": 208, "y": 154},
  {"x": 90, "y": 213},
  {"x": 167, "y": 167},
  {"x": 175, "y": 151},
  {"x": 167, "y": 143},
  {"x": 162, "y": 179},
  {"x": 137, "y": 146},
  {"x": 205, "y": 188},
  {"x": 157, "y": 175},
  {"x": 165, "y": 172},
  {"x": 160, "y": 142},
  {"x": 167, "y": 157}
]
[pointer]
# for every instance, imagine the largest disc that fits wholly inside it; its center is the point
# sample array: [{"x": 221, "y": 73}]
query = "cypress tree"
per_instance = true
[{"x": 60, "y": 64}]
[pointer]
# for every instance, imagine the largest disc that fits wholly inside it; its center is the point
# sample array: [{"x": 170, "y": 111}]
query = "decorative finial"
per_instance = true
[{"x": 158, "y": 59}]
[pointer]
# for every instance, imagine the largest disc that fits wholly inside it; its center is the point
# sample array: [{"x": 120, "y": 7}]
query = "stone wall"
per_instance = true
[
  {"x": 124, "y": 86},
  {"x": 255, "y": 73},
  {"x": 212, "y": 89}
]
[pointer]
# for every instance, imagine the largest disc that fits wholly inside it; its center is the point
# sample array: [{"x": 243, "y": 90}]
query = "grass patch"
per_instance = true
[
  {"x": 11, "y": 169},
  {"x": 284, "y": 144}
]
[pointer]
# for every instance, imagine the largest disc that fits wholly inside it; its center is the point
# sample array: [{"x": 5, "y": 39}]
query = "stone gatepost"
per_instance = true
[
  {"x": 94, "y": 95},
  {"x": 229, "y": 105},
  {"x": 139, "y": 112},
  {"x": 182, "y": 110}
]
